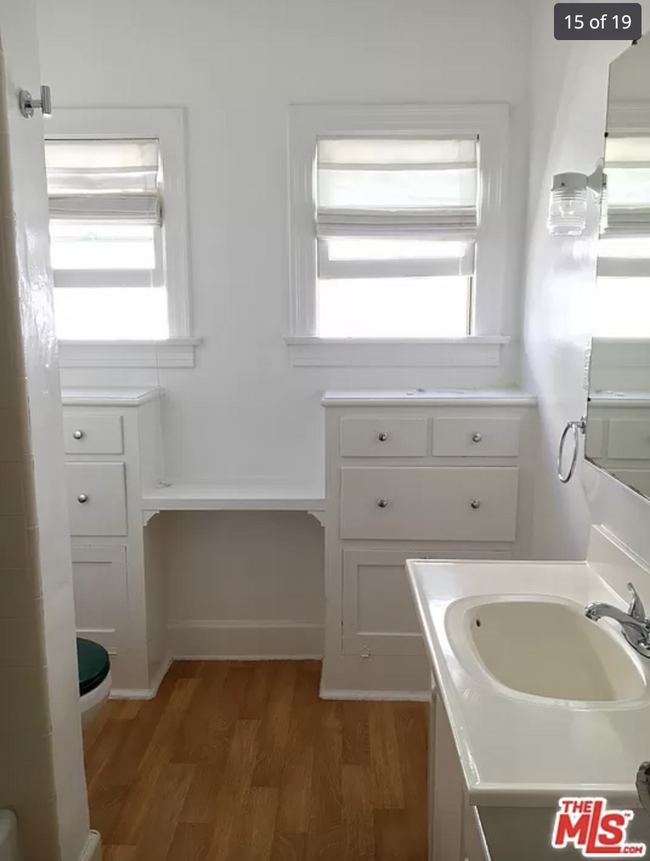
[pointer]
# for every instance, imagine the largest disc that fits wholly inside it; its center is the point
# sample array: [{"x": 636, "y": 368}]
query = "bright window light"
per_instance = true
[
  {"x": 622, "y": 308},
  {"x": 111, "y": 313},
  {"x": 99, "y": 246},
  {"x": 393, "y": 307},
  {"x": 392, "y": 249}
]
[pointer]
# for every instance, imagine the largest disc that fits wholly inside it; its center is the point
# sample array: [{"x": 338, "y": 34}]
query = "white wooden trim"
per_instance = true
[
  {"x": 375, "y": 696},
  {"x": 490, "y": 121},
  {"x": 246, "y": 640},
  {"x": 470, "y": 352},
  {"x": 92, "y": 850},
  {"x": 174, "y": 353},
  {"x": 144, "y": 693},
  {"x": 167, "y": 125}
]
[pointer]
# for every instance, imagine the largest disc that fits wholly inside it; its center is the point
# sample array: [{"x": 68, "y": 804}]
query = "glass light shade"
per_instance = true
[{"x": 567, "y": 212}]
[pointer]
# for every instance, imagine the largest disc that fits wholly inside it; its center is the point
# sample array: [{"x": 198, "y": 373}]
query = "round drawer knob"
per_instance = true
[
  {"x": 382, "y": 437},
  {"x": 78, "y": 434},
  {"x": 83, "y": 497},
  {"x": 382, "y": 503},
  {"x": 475, "y": 503},
  {"x": 477, "y": 437}
]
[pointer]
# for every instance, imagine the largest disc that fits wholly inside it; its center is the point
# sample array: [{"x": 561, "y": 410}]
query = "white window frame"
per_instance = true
[
  {"x": 308, "y": 123},
  {"x": 167, "y": 125},
  {"x": 626, "y": 119}
]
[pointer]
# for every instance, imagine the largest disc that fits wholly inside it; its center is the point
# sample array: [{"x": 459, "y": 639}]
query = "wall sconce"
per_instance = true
[{"x": 567, "y": 215}]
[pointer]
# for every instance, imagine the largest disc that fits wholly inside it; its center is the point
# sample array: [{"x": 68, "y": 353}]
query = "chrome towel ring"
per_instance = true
[{"x": 577, "y": 427}]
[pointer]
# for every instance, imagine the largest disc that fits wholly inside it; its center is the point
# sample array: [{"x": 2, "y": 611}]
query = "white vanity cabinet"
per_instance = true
[
  {"x": 113, "y": 451},
  {"x": 419, "y": 475},
  {"x": 455, "y": 827}
]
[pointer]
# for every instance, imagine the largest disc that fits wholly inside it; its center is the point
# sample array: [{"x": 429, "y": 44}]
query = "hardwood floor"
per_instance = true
[{"x": 239, "y": 761}]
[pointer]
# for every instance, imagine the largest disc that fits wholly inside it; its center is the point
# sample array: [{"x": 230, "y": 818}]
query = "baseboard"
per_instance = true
[
  {"x": 246, "y": 640},
  {"x": 379, "y": 696},
  {"x": 144, "y": 693},
  {"x": 160, "y": 675},
  {"x": 92, "y": 851},
  {"x": 248, "y": 657}
]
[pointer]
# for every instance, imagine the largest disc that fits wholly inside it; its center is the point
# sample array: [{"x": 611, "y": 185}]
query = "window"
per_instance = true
[
  {"x": 398, "y": 224},
  {"x": 396, "y": 228},
  {"x": 623, "y": 284},
  {"x": 116, "y": 189}
]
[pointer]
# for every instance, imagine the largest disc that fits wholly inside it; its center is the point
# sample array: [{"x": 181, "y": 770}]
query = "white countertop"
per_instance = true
[
  {"x": 184, "y": 497},
  {"x": 620, "y": 399},
  {"x": 518, "y": 752},
  {"x": 426, "y": 398},
  {"x": 110, "y": 397}
]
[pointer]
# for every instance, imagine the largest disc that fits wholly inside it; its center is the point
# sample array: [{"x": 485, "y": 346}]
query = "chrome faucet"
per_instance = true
[{"x": 635, "y": 625}]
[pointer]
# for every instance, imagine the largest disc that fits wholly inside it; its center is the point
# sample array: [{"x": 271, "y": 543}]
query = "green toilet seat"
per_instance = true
[{"x": 94, "y": 665}]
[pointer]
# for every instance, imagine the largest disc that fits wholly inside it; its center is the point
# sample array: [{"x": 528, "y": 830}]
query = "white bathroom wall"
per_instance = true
[
  {"x": 569, "y": 98},
  {"x": 41, "y": 761},
  {"x": 244, "y": 583},
  {"x": 245, "y": 418}
]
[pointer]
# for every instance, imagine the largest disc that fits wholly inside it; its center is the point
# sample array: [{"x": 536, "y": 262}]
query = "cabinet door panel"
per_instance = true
[
  {"x": 100, "y": 595},
  {"x": 474, "y": 844},
  {"x": 379, "y": 615},
  {"x": 379, "y": 612}
]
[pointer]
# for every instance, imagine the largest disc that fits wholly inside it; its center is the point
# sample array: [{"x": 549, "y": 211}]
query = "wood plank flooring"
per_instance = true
[{"x": 241, "y": 761}]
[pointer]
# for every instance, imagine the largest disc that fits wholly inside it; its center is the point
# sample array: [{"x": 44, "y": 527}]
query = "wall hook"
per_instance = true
[{"x": 28, "y": 105}]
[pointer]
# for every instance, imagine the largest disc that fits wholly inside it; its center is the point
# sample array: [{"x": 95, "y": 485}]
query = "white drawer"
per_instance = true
[
  {"x": 88, "y": 434},
  {"x": 476, "y": 437},
  {"x": 429, "y": 503},
  {"x": 383, "y": 437},
  {"x": 97, "y": 498},
  {"x": 629, "y": 438}
]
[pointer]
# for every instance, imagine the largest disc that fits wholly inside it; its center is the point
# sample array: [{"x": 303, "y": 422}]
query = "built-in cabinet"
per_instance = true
[
  {"x": 618, "y": 437},
  {"x": 413, "y": 476},
  {"x": 455, "y": 827},
  {"x": 113, "y": 457}
]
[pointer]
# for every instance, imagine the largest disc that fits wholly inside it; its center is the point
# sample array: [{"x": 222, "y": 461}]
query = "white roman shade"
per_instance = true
[
  {"x": 416, "y": 196},
  {"x": 624, "y": 249},
  {"x": 109, "y": 181}
]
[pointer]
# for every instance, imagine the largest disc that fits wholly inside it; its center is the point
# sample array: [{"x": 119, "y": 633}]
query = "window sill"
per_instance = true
[
  {"x": 473, "y": 351},
  {"x": 172, "y": 353}
]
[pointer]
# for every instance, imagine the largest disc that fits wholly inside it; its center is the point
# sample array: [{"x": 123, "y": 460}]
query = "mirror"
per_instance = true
[{"x": 618, "y": 414}]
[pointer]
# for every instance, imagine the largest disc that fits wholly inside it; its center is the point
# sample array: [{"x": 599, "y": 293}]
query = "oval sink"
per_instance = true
[{"x": 547, "y": 648}]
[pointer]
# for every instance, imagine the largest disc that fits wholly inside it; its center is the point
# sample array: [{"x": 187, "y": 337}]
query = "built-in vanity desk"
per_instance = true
[
  {"x": 444, "y": 475},
  {"x": 115, "y": 467}
]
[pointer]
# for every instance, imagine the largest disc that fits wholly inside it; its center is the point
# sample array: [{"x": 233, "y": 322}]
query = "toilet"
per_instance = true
[{"x": 94, "y": 678}]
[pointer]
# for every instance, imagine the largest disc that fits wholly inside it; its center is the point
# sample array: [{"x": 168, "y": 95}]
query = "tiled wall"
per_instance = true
[{"x": 41, "y": 763}]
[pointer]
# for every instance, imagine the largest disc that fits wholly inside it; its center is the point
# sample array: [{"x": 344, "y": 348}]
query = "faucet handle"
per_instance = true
[{"x": 636, "y": 608}]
